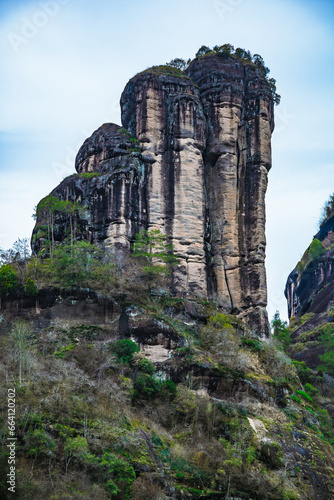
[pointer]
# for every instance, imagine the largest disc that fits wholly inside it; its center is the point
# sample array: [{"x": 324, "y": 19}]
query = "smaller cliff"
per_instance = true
[
  {"x": 310, "y": 296},
  {"x": 110, "y": 186},
  {"x": 309, "y": 288}
]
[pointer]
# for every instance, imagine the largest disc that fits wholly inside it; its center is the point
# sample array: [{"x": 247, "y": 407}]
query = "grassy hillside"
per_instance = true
[
  {"x": 122, "y": 390},
  {"x": 193, "y": 406}
]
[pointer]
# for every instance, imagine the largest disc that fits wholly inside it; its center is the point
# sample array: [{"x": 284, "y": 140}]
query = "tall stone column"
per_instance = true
[
  {"x": 169, "y": 122},
  {"x": 238, "y": 106}
]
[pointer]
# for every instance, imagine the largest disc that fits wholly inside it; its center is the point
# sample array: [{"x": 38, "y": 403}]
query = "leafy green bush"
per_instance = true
[
  {"x": 77, "y": 265},
  {"x": 30, "y": 289},
  {"x": 254, "y": 345},
  {"x": 118, "y": 474},
  {"x": 326, "y": 425},
  {"x": 146, "y": 387},
  {"x": 170, "y": 388},
  {"x": 38, "y": 442},
  {"x": 75, "y": 448},
  {"x": 8, "y": 281},
  {"x": 124, "y": 350},
  {"x": 73, "y": 265},
  {"x": 305, "y": 396},
  {"x": 134, "y": 140},
  {"x": 280, "y": 330},
  {"x": 295, "y": 398},
  {"x": 220, "y": 321},
  {"x": 63, "y": 351},
  {"x": 221, "y": 337},
  {"x": 217, "y": 327},
  {"x": 316, "y": 250},
  {"x": 146, "y": 366},
  {"x": 311, "y": 390},
  {"x": 151, "y": 249},
  {"x": 327, "y": 341},
  {"x": 185, "y": 402},
  {"x": 304, "y": 373},
  {"x": 90, "y": 175}
]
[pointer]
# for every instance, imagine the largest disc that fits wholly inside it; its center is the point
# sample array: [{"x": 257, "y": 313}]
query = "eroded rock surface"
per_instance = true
[
  {"x": 192, "y": 160},
  {"x": 239, "y": 112},
  {"x": 310, "y": 298},
  {"x": 309, "y": 287}
]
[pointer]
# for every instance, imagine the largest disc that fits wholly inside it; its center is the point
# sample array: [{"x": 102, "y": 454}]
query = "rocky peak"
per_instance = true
[
  {"x": 104, "y": 150},
  {"x": 191, "y": 160}
]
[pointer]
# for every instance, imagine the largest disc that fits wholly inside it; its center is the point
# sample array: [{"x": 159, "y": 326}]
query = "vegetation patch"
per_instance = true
[{"x": 90, "y": 175}]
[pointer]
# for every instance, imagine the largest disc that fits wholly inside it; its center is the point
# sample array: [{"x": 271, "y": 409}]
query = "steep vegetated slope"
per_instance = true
[{"x": 165, "y": 398}]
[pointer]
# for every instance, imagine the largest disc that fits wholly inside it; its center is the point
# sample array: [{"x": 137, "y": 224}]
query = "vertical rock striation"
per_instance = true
[
  {"x": 165, "y": 113},
  {"x": 192, "y": 160},
  {"x": 309, "y": 292},
  {"x": 239, "y": 111},
  {"x": 309, "y": 287}
]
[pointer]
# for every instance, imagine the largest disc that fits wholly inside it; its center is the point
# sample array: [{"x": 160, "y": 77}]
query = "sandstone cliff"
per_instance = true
[
  {"x": 191, "y": 160},
  {"x": 309, "y": 287},
  {"x": 310, "y": 297}
]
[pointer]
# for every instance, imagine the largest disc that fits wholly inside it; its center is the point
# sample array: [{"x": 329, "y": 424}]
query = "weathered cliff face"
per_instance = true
[
  {"x": 114, "y": 199},
  {"x": 192, "y": 161},
  {"x": 239, "y": 112},
  {"x": 313, "y": 290},
  {"x": 309, "y": 288},
  {"x": 165, "y": 113},
  {"x": 310, "y": 297}
]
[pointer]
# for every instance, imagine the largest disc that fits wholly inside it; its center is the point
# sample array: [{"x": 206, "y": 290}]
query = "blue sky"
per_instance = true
[{"x": 64, "y": 64}]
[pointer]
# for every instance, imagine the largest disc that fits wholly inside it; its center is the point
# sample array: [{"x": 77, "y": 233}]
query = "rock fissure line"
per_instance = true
[{"x": 228, "y": 287}]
